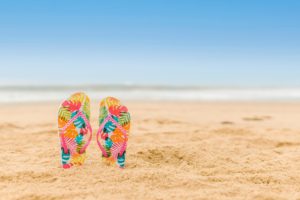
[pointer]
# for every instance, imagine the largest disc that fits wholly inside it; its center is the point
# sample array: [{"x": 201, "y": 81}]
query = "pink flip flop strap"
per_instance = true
[
  {"x": 109, "y": 118},
  {"x": 62, "y": 130}
]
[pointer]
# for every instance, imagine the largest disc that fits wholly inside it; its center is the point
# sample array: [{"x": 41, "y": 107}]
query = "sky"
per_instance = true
[{"x": 157, "y": 42}]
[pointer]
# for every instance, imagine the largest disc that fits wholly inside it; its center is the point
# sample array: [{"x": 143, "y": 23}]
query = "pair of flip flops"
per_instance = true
[{"x": 75, "y": 131}]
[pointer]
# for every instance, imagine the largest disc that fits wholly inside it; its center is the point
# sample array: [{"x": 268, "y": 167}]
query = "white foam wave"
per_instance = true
[{"x": 151, "y": 94}]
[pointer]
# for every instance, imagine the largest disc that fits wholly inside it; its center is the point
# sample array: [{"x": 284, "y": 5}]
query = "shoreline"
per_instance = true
[{"x": 154, "y": 94}]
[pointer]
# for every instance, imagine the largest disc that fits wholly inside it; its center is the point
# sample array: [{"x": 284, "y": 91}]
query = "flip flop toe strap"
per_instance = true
[
  {"x": 124, "y": 144},
  {"x": 62, "y": 131}
]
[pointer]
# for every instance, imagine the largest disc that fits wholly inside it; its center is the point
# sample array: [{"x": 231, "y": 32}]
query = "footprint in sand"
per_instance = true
[
  {"x": 9, "y": 126},
  {"x": 287, "y": 144},
  {"x": 232, "y": 131},
  {"x": 257, "y": 118},
  {"x": 227, "y": 123},
  {"x": 165, "y": 155}
]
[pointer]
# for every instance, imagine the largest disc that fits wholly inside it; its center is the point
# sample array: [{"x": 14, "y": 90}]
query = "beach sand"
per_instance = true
[{"x": 177, "y": 150}]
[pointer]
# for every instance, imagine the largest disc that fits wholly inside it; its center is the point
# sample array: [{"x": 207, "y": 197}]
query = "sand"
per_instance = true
[{"x": 176, "y": 151}]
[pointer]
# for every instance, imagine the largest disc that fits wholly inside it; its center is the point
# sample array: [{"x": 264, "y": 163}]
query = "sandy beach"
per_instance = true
[{"x": 176, "y": 150}]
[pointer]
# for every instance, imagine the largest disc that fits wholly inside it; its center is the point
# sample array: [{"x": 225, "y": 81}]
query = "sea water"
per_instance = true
[{"x": 148, "y": 93}]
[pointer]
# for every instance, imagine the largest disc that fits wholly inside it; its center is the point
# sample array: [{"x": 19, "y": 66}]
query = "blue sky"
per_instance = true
[{"x": 192, "y": 42}]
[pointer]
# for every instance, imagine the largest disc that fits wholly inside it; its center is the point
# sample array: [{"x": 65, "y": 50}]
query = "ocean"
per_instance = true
[{"x": 148, "y": 93}]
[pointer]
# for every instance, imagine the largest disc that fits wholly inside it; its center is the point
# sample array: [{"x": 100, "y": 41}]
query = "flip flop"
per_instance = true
[
  {"x": 112, "y": 136},
  {"x": 75, "y": 131}
]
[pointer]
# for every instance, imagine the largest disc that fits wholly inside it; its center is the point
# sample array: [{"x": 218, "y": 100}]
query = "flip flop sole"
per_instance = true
[
  {"x": 114, "y": 134},
  {"x": 73, "y": 133}
]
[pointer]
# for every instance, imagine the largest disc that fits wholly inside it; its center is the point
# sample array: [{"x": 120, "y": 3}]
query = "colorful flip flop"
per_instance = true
[
  {"x": 112, "y": 137},
  {"x": 75, "y": 131}
]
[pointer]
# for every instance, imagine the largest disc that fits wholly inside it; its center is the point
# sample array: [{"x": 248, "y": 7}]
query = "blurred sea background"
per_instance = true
[{"x": 149, "y": 93}]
